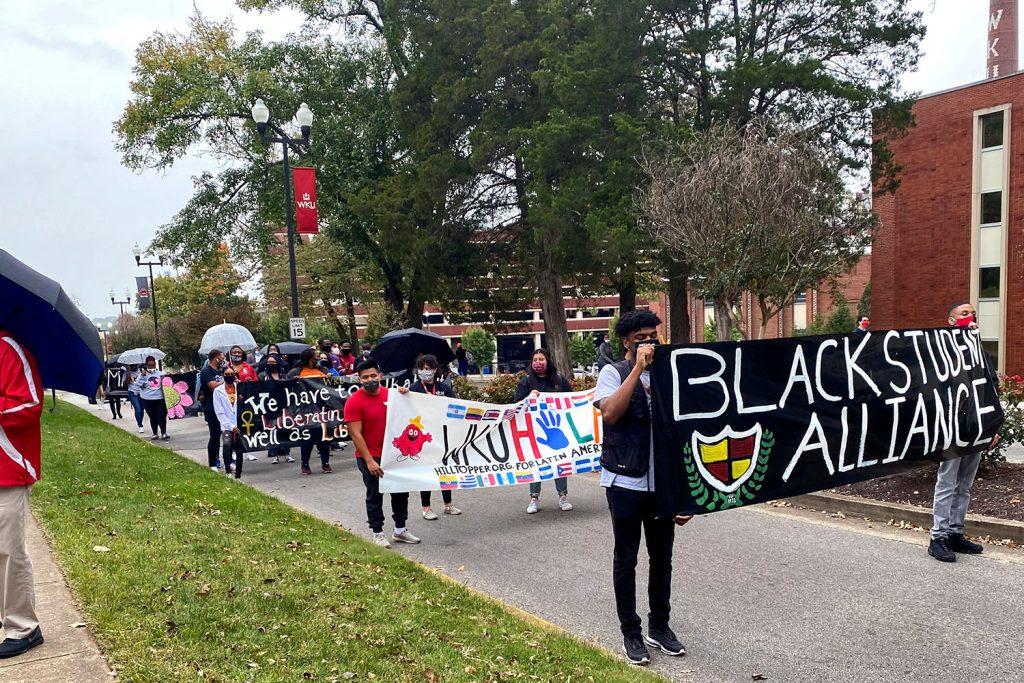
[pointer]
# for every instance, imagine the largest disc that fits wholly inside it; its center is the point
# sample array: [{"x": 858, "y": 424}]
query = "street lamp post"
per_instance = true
[
  {"x": 103, "y": 337},
  {"x": 304, "y": 117},
  {"x": 152, "y": 289},
  {"x": 118, "y": 302}
]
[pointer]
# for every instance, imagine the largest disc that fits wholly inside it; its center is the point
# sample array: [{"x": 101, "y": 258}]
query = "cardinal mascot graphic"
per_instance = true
[{"x": 412, "y": 440}]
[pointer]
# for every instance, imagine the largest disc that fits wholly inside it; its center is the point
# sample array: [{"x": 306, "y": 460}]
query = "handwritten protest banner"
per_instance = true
[
  {"x": 737, "y": 423},
  {"x": 295, "y": 411},
  {"x": 433, "y": 442}
]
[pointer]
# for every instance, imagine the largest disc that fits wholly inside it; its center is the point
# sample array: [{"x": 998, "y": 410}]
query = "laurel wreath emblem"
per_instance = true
[{"x": 712, "y": 499}]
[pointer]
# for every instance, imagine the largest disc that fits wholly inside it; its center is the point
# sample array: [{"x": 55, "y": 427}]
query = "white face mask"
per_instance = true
[
  {"x": 426, "y": 375},
  {"x": 335, "y": 350}
]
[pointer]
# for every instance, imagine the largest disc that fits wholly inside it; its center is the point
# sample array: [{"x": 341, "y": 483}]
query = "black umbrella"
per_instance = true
[
  {"x": 397, "y": 351},
  {"x": 40, "y": 316},
  {"x": 288, "y": 348}
]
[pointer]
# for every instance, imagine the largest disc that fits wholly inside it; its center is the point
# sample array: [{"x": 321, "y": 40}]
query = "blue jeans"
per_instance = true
[
  {"x": 953, "y": 494},
  {"x": 561, "y": 485},
  {"x": 136, "y": 402}
]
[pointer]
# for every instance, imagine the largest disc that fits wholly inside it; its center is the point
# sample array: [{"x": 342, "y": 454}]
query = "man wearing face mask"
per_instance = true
[
  {"x": 243, "y": 371},
  {"x": 955, "y": 477},
  {"x": 347, "y": 359},
  {"x": 366, "y": 414},
  {"x": 310, "y": 363},
  {"x": 623, "y": 395},
  {"x": 224, "y": 398},
  {"x": 427, "y": 383}
]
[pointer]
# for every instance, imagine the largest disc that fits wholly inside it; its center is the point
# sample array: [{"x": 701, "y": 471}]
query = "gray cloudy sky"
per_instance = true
[{"x": 72, "y": 212}]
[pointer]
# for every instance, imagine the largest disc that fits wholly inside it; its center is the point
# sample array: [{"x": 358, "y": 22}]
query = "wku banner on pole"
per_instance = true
[
  {"x": 296, "y": 411},
  {"x": 306, "y": 216},
  {"x": 433, "y": 442},
  {"x": 738, "y": 423},
  {"x": 142, "y": 292}
]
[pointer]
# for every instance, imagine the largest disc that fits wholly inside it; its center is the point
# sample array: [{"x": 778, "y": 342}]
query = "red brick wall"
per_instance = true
[{"x": 922, "y": 256}]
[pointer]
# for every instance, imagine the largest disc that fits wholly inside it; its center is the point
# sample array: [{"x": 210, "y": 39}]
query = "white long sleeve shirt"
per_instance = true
[{"x": 224, "y": 408}]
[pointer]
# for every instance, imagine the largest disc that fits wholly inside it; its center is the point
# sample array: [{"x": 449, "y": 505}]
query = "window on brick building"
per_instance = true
[
  {"x": 992, "y": 130},
  {"x": 991, "y": 207},
  {"x": 800, "y": 311},
  {"x": 991, "y": 349},
  {"x": 988, "y": 285}
]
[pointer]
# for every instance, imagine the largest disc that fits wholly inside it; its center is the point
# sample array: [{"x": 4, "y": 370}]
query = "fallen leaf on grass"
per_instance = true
[
  {"x": 432, "y": 676},
  {"x": 100, "y": 549},
  {"x": 461, "y": 568},
  {"x": 205, "y": 590},
  {"x": 78, "y": 624}
]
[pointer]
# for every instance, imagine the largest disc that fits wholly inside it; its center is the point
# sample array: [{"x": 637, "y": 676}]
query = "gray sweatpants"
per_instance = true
[
  {"x": 953, "y": 494},
  {"x": 17, "y": 589}
]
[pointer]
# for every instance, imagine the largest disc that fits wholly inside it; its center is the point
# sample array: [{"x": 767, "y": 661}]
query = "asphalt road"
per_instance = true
[{"x": 791, "y": 594}]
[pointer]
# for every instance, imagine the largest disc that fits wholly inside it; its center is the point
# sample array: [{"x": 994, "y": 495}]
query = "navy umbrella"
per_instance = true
[
  {"x": 41, "y": 317},
  {"x": 397, "y": 351}
]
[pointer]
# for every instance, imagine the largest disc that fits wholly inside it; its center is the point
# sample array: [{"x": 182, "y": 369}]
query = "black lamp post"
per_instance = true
[
  {"x": 118, "y": 302},
  {"x": 304, "y": 117},
  {"x": 152, "y": 289}
]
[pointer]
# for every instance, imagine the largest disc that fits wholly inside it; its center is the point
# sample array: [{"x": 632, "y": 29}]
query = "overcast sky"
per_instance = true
[{"x": 70, "y": 210}]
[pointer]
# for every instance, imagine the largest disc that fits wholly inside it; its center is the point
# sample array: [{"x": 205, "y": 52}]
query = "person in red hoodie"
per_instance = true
[{"x": 21, "y": 406}]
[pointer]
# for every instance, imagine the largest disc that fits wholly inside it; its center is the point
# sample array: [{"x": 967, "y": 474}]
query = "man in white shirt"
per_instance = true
[{"x": 623, "y": 395}]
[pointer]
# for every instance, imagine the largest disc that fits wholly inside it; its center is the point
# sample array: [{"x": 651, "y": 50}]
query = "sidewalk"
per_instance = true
[{"x": 69, "y": 652}]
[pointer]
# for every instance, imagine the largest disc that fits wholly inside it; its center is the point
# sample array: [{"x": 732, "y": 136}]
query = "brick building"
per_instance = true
[{"x": 954, "y": 229}]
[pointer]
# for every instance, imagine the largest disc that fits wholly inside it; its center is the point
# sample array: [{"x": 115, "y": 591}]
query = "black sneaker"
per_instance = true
[
  {"x": 12, "y": 647},
  {"x": 960, "y": 544},
  {"x": 666, "y": 641},
  {"x": 636, "y": 651},
  {"x": 940, "y": 550}
]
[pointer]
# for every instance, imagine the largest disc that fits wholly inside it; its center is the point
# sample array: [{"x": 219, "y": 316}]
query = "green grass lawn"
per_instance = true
[{"x": 207, "y": 579}]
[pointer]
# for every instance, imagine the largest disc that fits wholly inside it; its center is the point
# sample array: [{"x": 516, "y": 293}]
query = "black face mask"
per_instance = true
[
  {"x": 372, "y": 386},
  {"x": 325, "y": 364}
]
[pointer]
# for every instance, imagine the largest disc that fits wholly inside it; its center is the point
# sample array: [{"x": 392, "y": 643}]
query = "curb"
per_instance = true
[{"x": 977, "y": 525}]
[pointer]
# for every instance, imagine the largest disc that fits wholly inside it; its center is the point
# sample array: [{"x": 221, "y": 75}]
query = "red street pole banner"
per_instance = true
[{"x": 306, "y": 218}]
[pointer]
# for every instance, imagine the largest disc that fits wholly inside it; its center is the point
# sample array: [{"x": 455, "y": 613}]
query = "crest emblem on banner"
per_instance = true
[{"x": 732, "y": 463}]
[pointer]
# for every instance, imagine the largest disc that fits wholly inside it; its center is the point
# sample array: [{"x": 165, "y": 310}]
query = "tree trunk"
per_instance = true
[
  {"x": 414, "y": 312},
  {"x": 332, "y": 316},
  {"x": 350, "y": 315},
  {"x": 723, "y": 319},
  {"x": 678, "y": 304},
  {"x": 549, "y": 291},
  {"x": 627, "y": 293}
]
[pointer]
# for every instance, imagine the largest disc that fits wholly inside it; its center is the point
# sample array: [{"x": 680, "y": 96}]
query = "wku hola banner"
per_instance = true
[
  {"x": 433, "y": 442},
  {"x": 306, "y": 216}
]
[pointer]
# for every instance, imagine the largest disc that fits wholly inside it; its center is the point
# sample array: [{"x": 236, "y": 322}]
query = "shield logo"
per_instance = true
[{"x": 726, "y": 460}]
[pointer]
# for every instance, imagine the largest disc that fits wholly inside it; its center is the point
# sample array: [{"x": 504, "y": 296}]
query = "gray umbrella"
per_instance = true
[{"x": 41, "y": 317}]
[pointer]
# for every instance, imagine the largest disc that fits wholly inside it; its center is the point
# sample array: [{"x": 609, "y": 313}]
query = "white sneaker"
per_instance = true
[
  {"x": 563, "y": 503},
  {"x": 533, "y": 507},
  {"x": 289, "y": 458},
  {"x": 275, "y": 460},
  {"x": 214, "y": 468},
  {"x": 429, "y": 514},
  {"x": 250, "y": 457},
  {"x": 142, "y": 430},
  {"x": 405, "y": 537},
  {"x": 381, "y": 540},
  {"x": 452, "y": 510},
  {"x": 154, "y": 437}
]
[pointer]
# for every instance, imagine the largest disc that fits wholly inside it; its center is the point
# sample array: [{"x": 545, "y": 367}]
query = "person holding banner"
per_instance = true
[
  {"x": 427, "y": 383},
  {"x": 272, "y": 373},
  {"x": 153, "y": 400},
  {"x": 366, "y": 414},
  {"x": 955, "y": 477},
  {"x": 543, "y": 376},
  {"x": 309, "y": 366},
  {"x": 224, "y": 397},
  {"x": 623, "y": 395}
]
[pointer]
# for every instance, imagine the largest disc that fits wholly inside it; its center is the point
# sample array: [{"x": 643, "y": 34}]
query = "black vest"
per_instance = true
[{"x": 626, "y": 448}]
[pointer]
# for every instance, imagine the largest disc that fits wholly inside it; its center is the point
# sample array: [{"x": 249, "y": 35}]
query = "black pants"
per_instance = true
[
  {"x": 634, "y": 512},
  {"x": 157, "y": 411},
  {"x": 446, "y": 496},
  {"x": 375, "y": 502},
  {"x": 232, "y": 452},
  {"x": 213, "y": 444},
  {"x": 322, "y": 447},
  {"x": 115, "y": 406}
]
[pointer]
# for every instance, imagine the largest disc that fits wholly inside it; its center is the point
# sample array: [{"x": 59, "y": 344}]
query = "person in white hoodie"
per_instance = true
[{"x": 224, "y": 397}]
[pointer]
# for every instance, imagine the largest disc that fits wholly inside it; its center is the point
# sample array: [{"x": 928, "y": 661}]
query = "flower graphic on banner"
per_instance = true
[{"x": 177, "y": 398}]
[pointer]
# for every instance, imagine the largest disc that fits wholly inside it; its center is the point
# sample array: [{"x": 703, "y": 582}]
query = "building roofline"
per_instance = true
[{"x": 968, "y": 85}]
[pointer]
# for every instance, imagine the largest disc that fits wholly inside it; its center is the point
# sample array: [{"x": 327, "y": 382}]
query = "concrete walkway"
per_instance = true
[
  {"x": 794, "y": 595},
  {"x": 69, "y": 652}
]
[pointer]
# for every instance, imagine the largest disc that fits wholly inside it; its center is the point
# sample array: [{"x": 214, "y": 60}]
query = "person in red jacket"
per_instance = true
[{"x": 21, "y": 406}]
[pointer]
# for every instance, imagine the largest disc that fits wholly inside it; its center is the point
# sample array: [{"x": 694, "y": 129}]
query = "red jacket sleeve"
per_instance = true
[{"x": 21, "y": 392}]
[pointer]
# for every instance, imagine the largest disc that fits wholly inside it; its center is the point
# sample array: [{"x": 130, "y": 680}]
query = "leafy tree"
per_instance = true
[
  {"x": 864, "y": 305},
  {"x": 380, "y": 319},
  {"x": 583, "y": 350},
  {"x": 131, "y": 331},
  {"x": 838, "y": 320},
  {"x": 480, "y": 343}
]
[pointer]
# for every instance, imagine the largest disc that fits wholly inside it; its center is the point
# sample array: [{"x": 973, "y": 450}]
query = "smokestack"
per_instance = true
[{"x": 1002, "y": 38}]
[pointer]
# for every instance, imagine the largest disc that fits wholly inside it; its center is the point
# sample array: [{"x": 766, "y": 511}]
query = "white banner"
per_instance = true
[{"x": 433, "y": 442}]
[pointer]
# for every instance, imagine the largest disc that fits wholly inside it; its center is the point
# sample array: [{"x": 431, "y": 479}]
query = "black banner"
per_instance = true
[
  {"x": 738, "y": 423},
  {"x": 295, "y": 411},
  {"x": 115, "y": 380}
]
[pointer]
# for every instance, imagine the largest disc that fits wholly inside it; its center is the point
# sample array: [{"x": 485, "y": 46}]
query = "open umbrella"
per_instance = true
[
  {"x": 138, "y": 356},
  {"x": 41, "y": 317},
  {"x": 288, "y": 348},
  {"x": 397, "y": 351},
  {"x": 226, "y": 335}
]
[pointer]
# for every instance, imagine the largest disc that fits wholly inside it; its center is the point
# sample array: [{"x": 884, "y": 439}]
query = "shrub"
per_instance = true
[
  {"x": 1011, "y": 393},
  {"x": 502, "y": 389},
  {"x": 583, "y": 383},
  {"x": 481, "y": 344},
  {"x": 465, "y": 389},
  {"x": 583, "y": 350}
]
